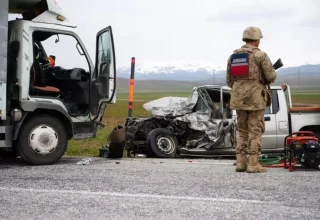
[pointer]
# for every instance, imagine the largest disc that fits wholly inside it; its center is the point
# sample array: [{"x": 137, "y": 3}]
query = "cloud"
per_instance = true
[
  {"x": 246, "y": 13},
  {"x": 310, "y": 16},
  {"x": 310, "y": 22},
  {"x": 201, "y": 31}
]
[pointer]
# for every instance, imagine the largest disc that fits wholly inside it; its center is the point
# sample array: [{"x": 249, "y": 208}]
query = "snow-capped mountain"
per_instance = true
[
  {"x": 175, "y": 70},
  {"x": 201, "y": 71}
]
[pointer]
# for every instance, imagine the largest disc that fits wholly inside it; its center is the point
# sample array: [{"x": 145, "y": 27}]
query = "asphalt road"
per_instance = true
[{"x": 155, "y": 189}]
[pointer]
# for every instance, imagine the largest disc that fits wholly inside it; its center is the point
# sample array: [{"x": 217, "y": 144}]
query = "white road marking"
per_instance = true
[
  {"x": 178, "y": 161},
  {"x": 138, "y": 195}
]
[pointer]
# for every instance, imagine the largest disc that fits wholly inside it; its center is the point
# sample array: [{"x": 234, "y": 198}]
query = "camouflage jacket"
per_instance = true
[{"x": 250, "y": 93}]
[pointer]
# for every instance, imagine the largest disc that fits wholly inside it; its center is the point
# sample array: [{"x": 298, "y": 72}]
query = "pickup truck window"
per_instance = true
[{"x": 275, "y": 102}]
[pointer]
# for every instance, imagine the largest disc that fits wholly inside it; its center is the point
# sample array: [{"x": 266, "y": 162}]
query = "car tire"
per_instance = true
[
  {"x": 42, "y": 140},
  {"x": 162, "y": 142}
]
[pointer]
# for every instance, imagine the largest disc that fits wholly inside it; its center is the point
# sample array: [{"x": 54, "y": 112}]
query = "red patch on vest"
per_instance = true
[{"x": 240, "y": 65}]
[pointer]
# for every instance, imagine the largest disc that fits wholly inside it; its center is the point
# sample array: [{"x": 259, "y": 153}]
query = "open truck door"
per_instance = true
[{"x": 103, "y": 80}]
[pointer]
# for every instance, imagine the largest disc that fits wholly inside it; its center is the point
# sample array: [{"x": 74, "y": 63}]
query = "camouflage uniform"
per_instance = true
[{"x": 248, "y": 74}]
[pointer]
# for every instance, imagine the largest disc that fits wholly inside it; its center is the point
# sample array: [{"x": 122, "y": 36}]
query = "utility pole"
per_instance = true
[{"x": 131, "y": 87}]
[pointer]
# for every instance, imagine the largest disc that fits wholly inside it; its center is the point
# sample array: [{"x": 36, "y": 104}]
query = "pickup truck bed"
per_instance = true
[{"x": 281, "y": 119}]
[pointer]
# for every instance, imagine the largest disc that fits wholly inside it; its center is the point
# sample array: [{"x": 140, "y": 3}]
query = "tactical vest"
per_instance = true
[
  {"x": 245, "y": 67},
  {"x": 243, "y": 64}
]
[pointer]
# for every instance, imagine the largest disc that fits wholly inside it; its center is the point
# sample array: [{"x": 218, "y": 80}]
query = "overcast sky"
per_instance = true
[{"x": 200, "y": 30}]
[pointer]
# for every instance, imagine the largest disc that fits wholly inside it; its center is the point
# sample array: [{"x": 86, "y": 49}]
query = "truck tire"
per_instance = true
[
  {"x": 162, "y": 142},
  {"x": 42, "y": 141}
]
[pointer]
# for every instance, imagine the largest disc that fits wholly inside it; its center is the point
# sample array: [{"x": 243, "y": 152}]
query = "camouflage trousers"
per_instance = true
[{"x": 251, "y": 126}]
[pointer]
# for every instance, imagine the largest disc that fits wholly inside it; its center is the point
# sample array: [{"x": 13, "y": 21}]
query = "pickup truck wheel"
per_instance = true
[
  {"x": 162, "y": 142},
  {"x": 42, "y": 140}
]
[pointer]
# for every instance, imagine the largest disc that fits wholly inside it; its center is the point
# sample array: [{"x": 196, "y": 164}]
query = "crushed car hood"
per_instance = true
[
  {"x": 194, "y": 112},
  {"x": 163, "y": 102}
]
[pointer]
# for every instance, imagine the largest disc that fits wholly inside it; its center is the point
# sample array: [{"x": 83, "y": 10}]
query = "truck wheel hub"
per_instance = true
[
  {"x": 43, "y": 139},
  {"x": 165, "y": 144}
]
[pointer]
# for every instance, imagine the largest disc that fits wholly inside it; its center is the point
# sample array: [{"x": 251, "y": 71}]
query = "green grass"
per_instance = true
[
  {"x": 115, "y": 115},
  {"x": 305, "y": 89},
  {"x": 306, "y": 98}
]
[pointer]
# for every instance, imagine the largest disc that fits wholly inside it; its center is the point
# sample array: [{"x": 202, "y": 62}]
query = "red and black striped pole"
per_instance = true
[{"x": 131, "y": 87}]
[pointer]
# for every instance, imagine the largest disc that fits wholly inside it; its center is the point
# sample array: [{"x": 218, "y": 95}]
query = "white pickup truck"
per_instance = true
[{"x": 281, "y": 119}]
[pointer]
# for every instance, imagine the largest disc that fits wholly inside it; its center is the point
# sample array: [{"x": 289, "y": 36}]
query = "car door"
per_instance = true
[
  {"x": 269, "y": 138},
  {"x": 103, "y": 81}
]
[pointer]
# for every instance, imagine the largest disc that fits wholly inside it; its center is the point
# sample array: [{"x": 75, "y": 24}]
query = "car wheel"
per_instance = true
[
  {"x": 42, "y": 141},
  {"x": 162, "y": 142}
]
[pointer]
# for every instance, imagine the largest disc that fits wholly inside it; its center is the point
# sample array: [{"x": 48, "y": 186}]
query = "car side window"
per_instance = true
[
  {"x": 274, "y": 108},
  {"x": 275, "y": 102}
]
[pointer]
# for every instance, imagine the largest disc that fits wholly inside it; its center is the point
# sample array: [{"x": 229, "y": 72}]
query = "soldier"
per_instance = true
[{"x": 249, "y": 72}]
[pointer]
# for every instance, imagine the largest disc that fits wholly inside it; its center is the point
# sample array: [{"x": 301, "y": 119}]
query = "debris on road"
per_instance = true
[{"x": 85, "y": 161}]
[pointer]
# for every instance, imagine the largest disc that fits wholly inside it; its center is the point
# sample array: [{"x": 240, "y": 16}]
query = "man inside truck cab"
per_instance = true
[{"x": 38, "y": 78}]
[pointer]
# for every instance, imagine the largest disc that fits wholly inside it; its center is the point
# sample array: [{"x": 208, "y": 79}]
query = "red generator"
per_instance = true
[{"x": 303, "y": 148}]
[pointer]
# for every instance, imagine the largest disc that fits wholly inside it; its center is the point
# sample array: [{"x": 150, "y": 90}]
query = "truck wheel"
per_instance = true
[
  {"x": 42, "y": 140},
  {"x": 162, "y": 142}
]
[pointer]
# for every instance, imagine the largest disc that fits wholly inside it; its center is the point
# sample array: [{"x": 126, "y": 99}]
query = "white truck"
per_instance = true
[{"x": 43, "y": 104}]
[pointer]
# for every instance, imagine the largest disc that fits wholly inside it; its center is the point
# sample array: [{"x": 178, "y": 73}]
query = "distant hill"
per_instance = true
[
  {"x": 199, "y": 73},
  {"x": 183, "y": 79},
  {"x": 155, "y": 85}
]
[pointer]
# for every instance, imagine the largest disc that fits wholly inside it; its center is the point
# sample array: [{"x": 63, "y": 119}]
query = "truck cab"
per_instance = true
[{"x": 53, "y": 91}]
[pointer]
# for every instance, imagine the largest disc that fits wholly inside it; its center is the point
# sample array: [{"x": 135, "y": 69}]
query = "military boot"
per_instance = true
[
  {"x": 241, "y": 163},
  {"x": 254, "y": 166}
]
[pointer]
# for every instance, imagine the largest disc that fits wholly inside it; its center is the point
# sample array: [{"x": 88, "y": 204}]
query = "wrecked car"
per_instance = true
[{"x": 200, "y": 125}]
